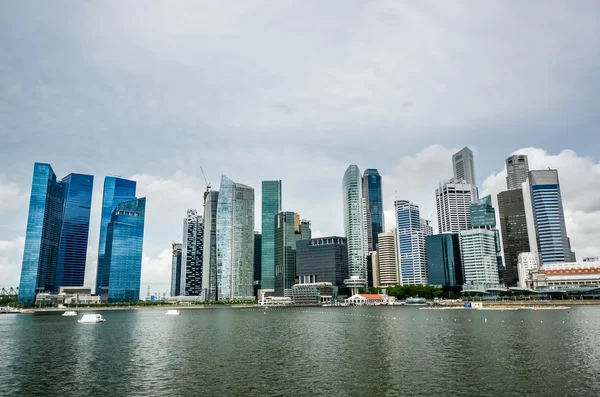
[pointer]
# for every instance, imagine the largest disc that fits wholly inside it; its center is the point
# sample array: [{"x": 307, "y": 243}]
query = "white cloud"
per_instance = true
[
  {"x": 11, "y": 196},
  {"x": 156, "y": 273},
  {"x": 11, "y": 256}
]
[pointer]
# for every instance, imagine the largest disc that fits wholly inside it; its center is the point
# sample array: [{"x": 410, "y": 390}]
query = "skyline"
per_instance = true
[{"x": 152, "y": 103}]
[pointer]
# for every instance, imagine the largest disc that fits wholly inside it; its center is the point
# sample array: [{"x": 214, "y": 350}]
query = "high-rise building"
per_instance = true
[
  {"x": 355, "y": 225},
  {"x": 387, "y": 255},
  {"x": 209, "y": 257},
  {"x": 517, "y": 168},
  {"x": 513, "y": 228},
  {"x": 257, "y": 261},
  {"x": 193, "y": 254},
  {"x": 57, "y": 232},
  {"x": 323, "y": 259},
  {"x": 411, "y": 244},
  {"x": 483, "y": 215},
  {"x": 371, "y": 185},
  {"x": 453, "y": 202},
  {"x": 289, "y": 228},
  {"x": 543, "y": 205},
  {"x": 235, "y": 241},
  {"x": 271, "y": 206},
  {"x": 426, "y": 227},
  {"x": 444, "y": 265},
  {"x": 116, "y": 191},
  {"x": 176, "y": 269},
  {"x": 374, "y": 273},
  {"x": 123, "y": 256},
  {"x": 464, "y": 167},
  {"x": 480, "y": 250}
]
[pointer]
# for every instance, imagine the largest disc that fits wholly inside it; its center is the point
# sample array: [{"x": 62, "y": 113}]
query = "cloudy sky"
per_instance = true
[{"x": 293, "y": 90}]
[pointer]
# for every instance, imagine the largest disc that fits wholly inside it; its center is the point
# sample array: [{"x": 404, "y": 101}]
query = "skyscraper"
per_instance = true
[
  {"x": 444, "y": 265},
  {"x": 453, "y": 202},
  {"x": 322, "y": 259},
  {"x": 176, "y": 269},
  {"x": 371, "y": 185},
  {"x": 193, "y": 254},
  {"x": 235, "y": 241},
  {"x": 464, "y": 167},
  {"x": 124, "y": 244},
  {"x": 271, "y": 206},
  {"x": 288, "y": 230},
  {"x": 355, "y": 225},
  {"x": 517, "y": 168},
  {"x": 483, "y": 215},
  {"x": 116, "y": 191},
  {"x": 209, "y": 257},
  {"x": 547, "y": 216},
  {"x": 426, "y": 227},
  {"x": 513, "y": 227},
  {"x": 387, "y": 253},
  {"x": 411, "y": 244},
  {"x": 257, "y": 262},
  {"x": 57, "y": 230}
]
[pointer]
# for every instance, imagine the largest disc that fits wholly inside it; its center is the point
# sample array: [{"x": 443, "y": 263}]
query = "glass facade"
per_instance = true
[
  {"x": 57, "y": 231},
  {"x": 192, "y": 254},
  {"x": 288, "y": 230},
  {"x": 176, "y": 269},
  {"x": 72, "y": 250},
  {"x": 235, "y": 241},
  {"x": 444, "y": 265},
  {"x": 271, "y": 206},
  {"x": 483, "y": 214},
  {"x": 209, "y": 268},
  {"x": 374, "y": 198},
  {"x": 513, "y": 226},
  {"x": 124, "y": 244},
  {"x": 116, "y": 190},
  {"x": 411, "y": 244},
  {"x": 355, "y": 223},
  {"x": 323, "y": 259}
]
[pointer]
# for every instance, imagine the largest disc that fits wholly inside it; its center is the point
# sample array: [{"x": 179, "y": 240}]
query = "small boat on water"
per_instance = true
[
  {"x": 91, "y": 319},
  {"x": 172, "y": 312},
  {"x": 69, "y": 313}
]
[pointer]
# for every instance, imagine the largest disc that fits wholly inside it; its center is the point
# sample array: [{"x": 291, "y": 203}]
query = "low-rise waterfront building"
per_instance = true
[{"x": 314, "y": 293}]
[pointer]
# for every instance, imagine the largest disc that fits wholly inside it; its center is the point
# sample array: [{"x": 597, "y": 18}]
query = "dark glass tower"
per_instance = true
[
  {"x": 176, "y": 269},
  {"x": 443, "y": 260},
  {"x": 124, "y": 243},
  {"x": 271, "y": 206},
  {"x": 513, "y": 226},
  {"x": 257, "y": 261},
  {"x": 57, "y": 230},
  {"x": 371, "y": 185},
  {"x": 116, "y": 191},
  {"x": 483, "y": 215},
  {"x": 323, "y": 259},
  {"x": 193, "y": 254},
  {"x": 288, "y": 230}
]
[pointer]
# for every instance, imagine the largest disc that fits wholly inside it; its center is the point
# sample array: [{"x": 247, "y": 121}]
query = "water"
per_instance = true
[{"x": 304, "y": 352}]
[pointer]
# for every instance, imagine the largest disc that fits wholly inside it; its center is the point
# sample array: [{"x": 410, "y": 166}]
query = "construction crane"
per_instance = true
[{"x": 207, "y": 184}]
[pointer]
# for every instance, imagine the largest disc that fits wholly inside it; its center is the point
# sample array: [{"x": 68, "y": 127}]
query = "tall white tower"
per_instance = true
[{"x": 355, "y": 225}]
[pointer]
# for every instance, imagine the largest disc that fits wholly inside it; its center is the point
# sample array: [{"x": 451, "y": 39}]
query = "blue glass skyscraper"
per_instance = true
[
  {"x": 271, "y": 206},
  {"x": 54, "y": 255},
  {"x": 124, "y": 244},
  {"x": 116, "y": 191},
  {"x": 371, "y": 185},
  {"x": 411, "y": 244},
  {"x": 444, "y": 266}
]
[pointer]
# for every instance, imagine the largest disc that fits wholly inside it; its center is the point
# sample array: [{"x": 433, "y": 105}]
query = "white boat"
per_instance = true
[
  {"x": 69, "y": 313},
  {"x": 172, "y": 312},
  {"x": 91, "y": 319}
]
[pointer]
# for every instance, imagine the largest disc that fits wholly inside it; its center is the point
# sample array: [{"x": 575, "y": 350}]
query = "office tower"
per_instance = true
[
  {"x": 388, "y": 258},
  {"x": 371, "y": 185},
  {"x": 288, "y": 230},
  {"x": 411, "y": 244},
  {"x": 123, "y": 255},
  {"x": 57, "y": 231},
  {"x": 374, "y": 274},
  {"x": 176, "y": 260},
  {"x": 544, "y": 208},
  {"x": 464, "y": 167},
  {"x": 271, "y": 206},
  {"x": 257, "y": 261},
  {"x": 483, "y": 215},
  {"x": 193, "y": 254},
  {"x": 444, "y": 265},
  {"x": 235, "y": 241},
  {"x": 355, "y": 225},
  {"x": 517, "y": 168},
  {"x": 323, "y": 259},
  {"x": 209, "y": 257},
  {"x": 453, "y": 206},
  {"x": 513, "y": 228},
  {"x": 426, "y": 227},
  {"x": 116, "y": 191}
]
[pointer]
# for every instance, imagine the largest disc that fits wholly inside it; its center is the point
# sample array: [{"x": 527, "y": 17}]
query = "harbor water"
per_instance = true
[{"x": 353, "y": 351}]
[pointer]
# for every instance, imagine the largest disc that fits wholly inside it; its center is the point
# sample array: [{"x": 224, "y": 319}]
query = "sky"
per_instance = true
[{"x": 297, "y": 91}]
